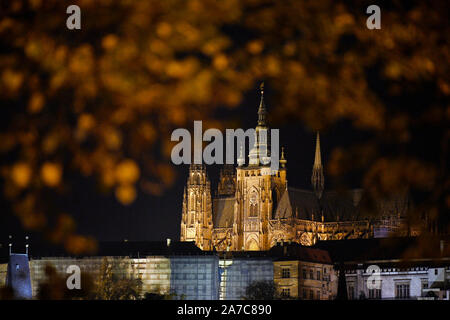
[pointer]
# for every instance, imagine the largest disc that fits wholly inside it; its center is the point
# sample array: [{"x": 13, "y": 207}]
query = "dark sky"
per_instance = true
[{"x": 158, "y": 218}]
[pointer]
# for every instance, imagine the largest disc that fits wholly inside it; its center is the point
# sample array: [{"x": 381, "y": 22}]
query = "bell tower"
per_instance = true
[
  {"x": 196, "y": 220},
  {"x": 257, "y": 190}
]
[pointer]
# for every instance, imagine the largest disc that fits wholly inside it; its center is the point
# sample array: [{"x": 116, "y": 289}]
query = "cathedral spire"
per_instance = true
[
  {"x": 317, "y": 178},
  {"x": 283, "y": 160},
  {"x": 262, "y": 108}
]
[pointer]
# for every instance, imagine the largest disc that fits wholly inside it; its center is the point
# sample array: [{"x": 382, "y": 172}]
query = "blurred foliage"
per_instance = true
[
  {"x": 103, "y": 100},
  {"x": 115, "y": 280},
  {"x": 54, "y": 287}
]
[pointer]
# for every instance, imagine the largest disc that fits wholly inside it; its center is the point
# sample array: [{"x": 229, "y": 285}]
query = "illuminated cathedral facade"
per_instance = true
[{"x": 254, "y": 210}]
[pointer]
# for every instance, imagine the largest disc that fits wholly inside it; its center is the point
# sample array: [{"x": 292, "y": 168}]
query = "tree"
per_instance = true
[
  {"x": 261, "y": 290},
  {"x": 117, "y": 281},
  {"x": 90, "y": 100}
]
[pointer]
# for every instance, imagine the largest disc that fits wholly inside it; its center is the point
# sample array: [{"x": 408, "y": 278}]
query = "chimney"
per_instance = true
[{"x": 168, "y": 242}]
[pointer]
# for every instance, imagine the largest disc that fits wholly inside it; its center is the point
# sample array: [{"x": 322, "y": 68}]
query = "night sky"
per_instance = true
[{"x": 152, "y": 218}]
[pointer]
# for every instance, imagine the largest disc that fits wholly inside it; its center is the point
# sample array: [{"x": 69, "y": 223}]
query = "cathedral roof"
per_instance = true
[
  {"x": 304, "y": 204},
  {"x": 223, "y": 210},
  {"x": 336, "y": 206}
]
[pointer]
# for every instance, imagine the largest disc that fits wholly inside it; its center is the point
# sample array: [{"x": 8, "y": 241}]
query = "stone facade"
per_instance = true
[
  {"x": 305, "y": 280},
  {"x": 399, "y": 283},
  {"x": 303, "y": 272}
]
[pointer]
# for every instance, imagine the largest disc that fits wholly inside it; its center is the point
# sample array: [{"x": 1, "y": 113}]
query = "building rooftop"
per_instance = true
[
  {"x": 404, "y": 250},
  {"x": 116, "y": 248},
  {"x": 295, "y": 251}
]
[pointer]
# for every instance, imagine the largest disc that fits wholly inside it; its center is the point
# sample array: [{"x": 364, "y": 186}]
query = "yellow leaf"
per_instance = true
[
  {"x": 36, "y": 103},
  {"x": 21, "y": 174},
  {"x": 127, "y": 172},
  {"x": 110, "y": 41},
  {"x": 220, "y": 62},
  {"x": 126, "y": 193},
  {"x": 51, "y": 174}
]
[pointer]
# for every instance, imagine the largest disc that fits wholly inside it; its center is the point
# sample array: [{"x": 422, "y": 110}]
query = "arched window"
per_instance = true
[
  {"x": 192, "y": 202},
  {"x": 274, "y": 202},
  {"x": 254, "y": 198},
  {"x": 253, "y": 210}
]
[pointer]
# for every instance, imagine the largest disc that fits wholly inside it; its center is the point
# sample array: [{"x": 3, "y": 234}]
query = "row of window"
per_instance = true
[
  {"x": 309, "y": 294},
  {"x": 201, "y": 289},
  {"x": 394, "y": 270},
  {"x": 401, "y": 292},
  {"x": 256, "y": 173},
  {"x": 286, "y": 273},
  {"x": 191, "y": 276}
]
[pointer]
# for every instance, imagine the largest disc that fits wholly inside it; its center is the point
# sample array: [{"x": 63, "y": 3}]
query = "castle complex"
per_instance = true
[{"x": 254, "y": 208}]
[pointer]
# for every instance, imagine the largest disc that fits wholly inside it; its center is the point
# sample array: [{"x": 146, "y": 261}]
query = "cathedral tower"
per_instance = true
[
  {"x": 258, "y": 190},
  {"x": 196, "y": 221}
]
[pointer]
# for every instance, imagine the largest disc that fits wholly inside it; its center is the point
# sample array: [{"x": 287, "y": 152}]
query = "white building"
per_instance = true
[
  {"x": 399, "y": 283},
  {"x": 393, "y": 268}
]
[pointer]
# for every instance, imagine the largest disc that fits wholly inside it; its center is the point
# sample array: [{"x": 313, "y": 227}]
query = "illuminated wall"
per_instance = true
[
  {"x": 195, "y": 277},
  {"x": 236, "y": 273},
  {"x": 305, "y": 280}
]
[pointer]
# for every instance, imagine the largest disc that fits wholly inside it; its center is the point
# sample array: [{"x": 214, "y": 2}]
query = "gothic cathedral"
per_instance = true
[{"x": 253, "y": 209}]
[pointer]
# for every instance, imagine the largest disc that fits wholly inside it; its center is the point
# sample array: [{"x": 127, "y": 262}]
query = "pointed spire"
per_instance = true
[
  {"x": 262, "y": 108},
  {"x": 317, "y": 158},
  {"x": 283, "y": 160},
  {"x": 317, "y": 178}
]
